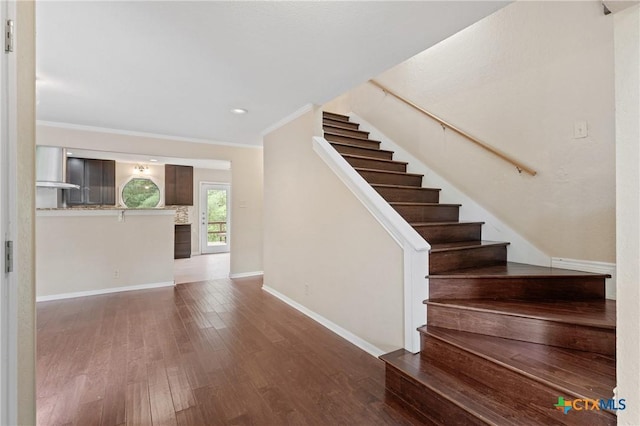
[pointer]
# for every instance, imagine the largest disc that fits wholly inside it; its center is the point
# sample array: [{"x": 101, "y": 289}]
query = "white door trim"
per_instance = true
[{"x": 8, "y": 225}]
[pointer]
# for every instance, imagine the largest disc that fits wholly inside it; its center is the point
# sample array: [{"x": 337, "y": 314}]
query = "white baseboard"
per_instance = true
[
  {"x": 103, "y": 291},
  {"x": 590, "y": 266},
  {"x": 345, "y": 334},
  {"x": 246, "y": 274}
]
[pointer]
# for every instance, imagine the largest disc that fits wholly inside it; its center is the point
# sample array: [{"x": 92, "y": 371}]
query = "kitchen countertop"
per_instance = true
[
  {"x": 105, "y": 208},
  {"x": 103, "y": 211}
]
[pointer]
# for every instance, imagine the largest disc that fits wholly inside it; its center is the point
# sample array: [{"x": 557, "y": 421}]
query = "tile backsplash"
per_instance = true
[{"x": 182, "y": 214}]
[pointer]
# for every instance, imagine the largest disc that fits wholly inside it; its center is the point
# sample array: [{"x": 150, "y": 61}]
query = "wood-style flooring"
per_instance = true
[
  {"x": 201, "y": 268},
  {"x": 206, "y": 353}
]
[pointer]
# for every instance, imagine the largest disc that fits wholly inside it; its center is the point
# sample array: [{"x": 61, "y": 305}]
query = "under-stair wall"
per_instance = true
[{"x": 323, "y": 251}]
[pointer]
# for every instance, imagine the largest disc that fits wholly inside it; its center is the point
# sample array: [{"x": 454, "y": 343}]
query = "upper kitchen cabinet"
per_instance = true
[
  {"x": 178, "y": 185},
  {"x": 97, "y": 181}
]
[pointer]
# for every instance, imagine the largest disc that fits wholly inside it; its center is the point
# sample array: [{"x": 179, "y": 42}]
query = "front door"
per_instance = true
[{"x": 214, "y": 218}]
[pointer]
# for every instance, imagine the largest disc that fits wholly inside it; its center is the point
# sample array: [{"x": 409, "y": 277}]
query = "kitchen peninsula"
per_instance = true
[{"x": 87, "y": 251}]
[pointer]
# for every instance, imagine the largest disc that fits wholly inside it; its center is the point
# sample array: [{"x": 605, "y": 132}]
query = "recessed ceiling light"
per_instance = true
[
  {"x": 69, "y": 154},
  {"x": 239, "y": 111},
  {"x": 153, "y": 160}
]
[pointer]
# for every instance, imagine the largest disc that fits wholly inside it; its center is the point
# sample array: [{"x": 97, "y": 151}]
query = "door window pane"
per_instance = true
[{"x": 217, "y": 217}]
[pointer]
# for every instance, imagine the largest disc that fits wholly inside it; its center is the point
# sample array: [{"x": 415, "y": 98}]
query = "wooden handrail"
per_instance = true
[{"x": 519, "y": 166}]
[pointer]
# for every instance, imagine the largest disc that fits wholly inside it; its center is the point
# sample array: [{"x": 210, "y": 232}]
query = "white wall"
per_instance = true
[
  {"x": 92, "y": 250},
  {"x": 246, "y": 174},
  {"x": 322, "y": 248},
  {"x": 518, "y": 80},
  {"x": 627, "y": 61}
]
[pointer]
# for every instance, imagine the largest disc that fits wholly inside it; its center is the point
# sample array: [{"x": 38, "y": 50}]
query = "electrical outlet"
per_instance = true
[
  {"x": 116, "y": 274},
  {"x": 306, "y": 290}
]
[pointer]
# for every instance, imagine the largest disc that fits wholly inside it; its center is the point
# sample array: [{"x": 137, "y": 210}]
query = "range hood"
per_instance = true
[{"x": 51, "y": 168}]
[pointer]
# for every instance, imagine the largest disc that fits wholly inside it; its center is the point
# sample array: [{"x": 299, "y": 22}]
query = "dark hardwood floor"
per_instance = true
[{"x": 206, "y": 353}]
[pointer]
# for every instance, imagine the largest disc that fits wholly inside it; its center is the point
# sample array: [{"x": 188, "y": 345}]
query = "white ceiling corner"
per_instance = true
[{"x": 176, "y": 68}]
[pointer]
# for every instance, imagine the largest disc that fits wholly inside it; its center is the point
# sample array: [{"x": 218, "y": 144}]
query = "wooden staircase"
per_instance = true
[{"x": 503, "y": 340}]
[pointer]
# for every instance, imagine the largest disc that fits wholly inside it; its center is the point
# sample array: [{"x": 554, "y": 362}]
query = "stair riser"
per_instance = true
[
  {"x": 425, "y": 400},
  {"x": 330, "y": 122},
  {"x": 378, "y": 165},
  {"x": 458, "y": 259},
  {"x": 371, "y": 152},
  {"x": 450, "y": 233},
  {"x": 571, "y": 336},
  {"x": 469, "y": 367},
  {"x": 517, "y": 288},
  {"x": 428, "y": 213},
  {"x": 391, "y": 179},
  {"x": 365, "y": 143},
  {"x": 346, "y": 132},
  {"x": 409, "y": 195},
  {"x": 336, "y": 117}
]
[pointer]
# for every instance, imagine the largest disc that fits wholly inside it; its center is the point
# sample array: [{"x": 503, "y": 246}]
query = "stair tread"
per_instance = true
[
  {"x": 338, "y": 127},
  {"x": 464, "y": 245},
  {"x": 389, "y": 185},
  {"x": 358, "y": 146},
  {"x": 390, "y": 172},
  {"x": 418, "y": 224},
  {"x": 573, "y": 373},
  {"x": 411, "y": 203},
  {"x": 483, "y": 402},
  {"x": 330, "y": 114},
  {"x": 326, "y": 121},
  {"x": 382, "y": 160},
  {"x": 514, "y": 269},
  {"x": 364, "y": 138},
  {"x": 591, "y": 313}
]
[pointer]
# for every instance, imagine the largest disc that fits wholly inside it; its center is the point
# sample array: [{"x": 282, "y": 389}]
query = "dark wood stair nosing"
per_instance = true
[
  {"x": 455, "y": 304},
  {"x": 388, "y": 172},
  {"x": 409, "y": 203},
  {"x": 393, "y": 186},
  {"x": 470, "y": 246},
  {"x": 412, "y": 373},
  {"x": 344, "y": 125},
  {"x": 480, "y": 274},
  {"x": 339, "y": 117},
  {"x": 554, "y": 385},
  {"x": 351, "y": 137},
  {"x": 383, "y": 160},
  {"x": 435, "y": 224},
  {"x": 359, "y": 146},
  {"x": 331, "y": 126}
]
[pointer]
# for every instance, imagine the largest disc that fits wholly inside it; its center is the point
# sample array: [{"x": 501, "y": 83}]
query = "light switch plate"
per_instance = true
[{"x": 580, "y": 130}]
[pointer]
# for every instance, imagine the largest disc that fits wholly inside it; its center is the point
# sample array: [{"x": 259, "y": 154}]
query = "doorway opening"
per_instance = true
[{"x": 215, "y": 229}]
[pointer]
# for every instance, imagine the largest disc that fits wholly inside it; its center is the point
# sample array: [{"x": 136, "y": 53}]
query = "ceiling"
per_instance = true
[{"x": 177, "y": 68}]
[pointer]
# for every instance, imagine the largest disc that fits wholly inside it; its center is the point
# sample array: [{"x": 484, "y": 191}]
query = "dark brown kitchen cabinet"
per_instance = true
[
  {"x": 178, "y": 185},
  {"x": 97, "y": 181},
  {"x": 182, "y": 241}
]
